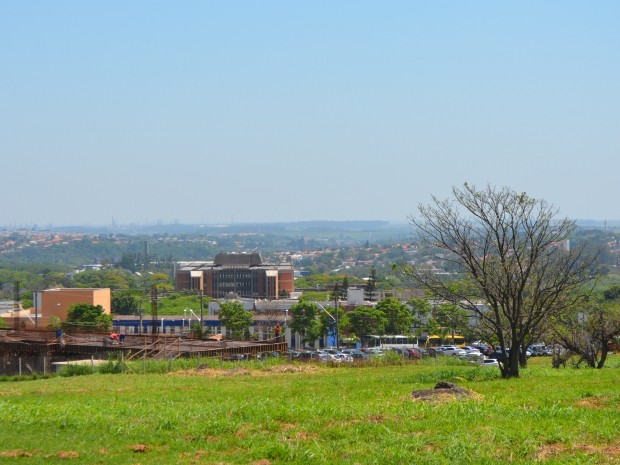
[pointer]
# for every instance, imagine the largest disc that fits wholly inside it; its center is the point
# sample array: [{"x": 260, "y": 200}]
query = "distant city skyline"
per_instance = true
[{"x": 206, "y": 112}]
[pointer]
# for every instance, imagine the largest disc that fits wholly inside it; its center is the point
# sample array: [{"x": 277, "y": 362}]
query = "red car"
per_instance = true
[{"x": 414, "y": 353}]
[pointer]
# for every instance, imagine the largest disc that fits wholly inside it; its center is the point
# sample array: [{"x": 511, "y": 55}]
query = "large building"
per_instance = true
[
  {"x": 56, "y": 302},
  {"x": 245, "y": 275}
]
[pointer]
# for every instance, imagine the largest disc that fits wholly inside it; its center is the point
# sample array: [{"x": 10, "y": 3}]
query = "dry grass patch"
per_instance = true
[
  {"x": 287, "y": 426},
  {"x": 67, "y": 454},
  {"x": 594, "y": 402},
  {"x": 293, "y": 369},
  {"x": 214, "y": 372},
  {"x": 304, "y": 436},
  {"x": 548, "y": 451},
  {"x": 17, "y": 453},
  {"x": 241, "y": 371}
]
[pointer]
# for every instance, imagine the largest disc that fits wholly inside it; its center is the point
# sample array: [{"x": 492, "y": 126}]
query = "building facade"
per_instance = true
[
  {"x": 56, "y": 302},
  {"x": 244, "y": 275}
]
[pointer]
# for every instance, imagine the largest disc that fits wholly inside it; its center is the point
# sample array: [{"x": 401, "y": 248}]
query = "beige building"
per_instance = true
[{"x": 56, "y": 302}]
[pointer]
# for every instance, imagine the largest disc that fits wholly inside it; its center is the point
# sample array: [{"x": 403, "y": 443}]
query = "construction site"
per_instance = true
[{"x": 29, "y": 352}]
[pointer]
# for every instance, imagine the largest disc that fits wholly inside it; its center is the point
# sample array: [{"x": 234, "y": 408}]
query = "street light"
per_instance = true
[{"x": 334, "y": 319}]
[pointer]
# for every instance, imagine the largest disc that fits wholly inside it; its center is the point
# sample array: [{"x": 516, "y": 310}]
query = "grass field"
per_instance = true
[{"x": 281, "y": 414}]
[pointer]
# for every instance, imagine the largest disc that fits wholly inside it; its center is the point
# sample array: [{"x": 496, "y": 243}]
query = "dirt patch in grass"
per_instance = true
[
  {"x": 139, "y": 448},
  {"x": 549, "y": 451},
  {"x": 303, "y": 436},
  {"x": 199, "y": 456},
  {"x": 593, "y": 402},
  {"x": 444, "y": 392},
  {"x": 293, "y": 369},
  {"x": 17, "y": 453},
  {"x": 67, "y": 454},
  {"x": 287, "y": 426},
  {"x": 215, "y": 372}
]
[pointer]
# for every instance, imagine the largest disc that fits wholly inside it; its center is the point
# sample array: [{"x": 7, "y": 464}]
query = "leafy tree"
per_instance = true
[
  {"x": 54, "y": 279},
  {"x": 124, "y": 303},
  {"x": 371, "y": 285},
  {"x": 129, "y": 261},
  {"x": 509, "y": 247},
  {"x": 88, "y": 316},
  {"x": 397, "y": 314},
  {"x": 336, "y": 292},
  {"x": 451, "y": 318},
  {"x": 344, "y": 288},
  {"x": 159, "y": 281},
  {"x": 366, "y": 321},
  {"x": 236, "y": 318},
  {"x": 420, "y": 313},
  {"x": 55, "y": 323},
  {"x": 304, "y": 320},
  {"x": 112, "y": 278}
]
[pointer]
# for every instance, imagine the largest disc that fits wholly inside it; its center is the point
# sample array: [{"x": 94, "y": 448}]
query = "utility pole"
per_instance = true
[
  {"x": 16, "y": 313},
  {"x": 201, "y": 311},
  {"x": 337, "y": 318},
  {"x": 154, "y": 313}
]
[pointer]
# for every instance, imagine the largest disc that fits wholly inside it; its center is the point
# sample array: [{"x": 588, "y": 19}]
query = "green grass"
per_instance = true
[{"x": 268, "y": 413}]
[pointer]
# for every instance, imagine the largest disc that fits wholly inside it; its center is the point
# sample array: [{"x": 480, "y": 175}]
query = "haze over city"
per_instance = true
[{"x": 219, "y": 112}]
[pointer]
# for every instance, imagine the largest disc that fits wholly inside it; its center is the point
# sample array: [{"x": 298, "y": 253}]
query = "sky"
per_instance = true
[{"x": 276, "y": 111}]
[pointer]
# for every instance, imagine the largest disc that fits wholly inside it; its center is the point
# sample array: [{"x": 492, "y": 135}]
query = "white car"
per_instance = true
[
  {"x": 489, "y": 362},
  {"x": 470, "y": 349},
  {"x": 455, "y": 351}
]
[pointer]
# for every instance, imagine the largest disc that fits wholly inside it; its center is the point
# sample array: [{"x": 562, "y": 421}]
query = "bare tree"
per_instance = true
[
  {"x": 513, "y": 256},
  {"x": 590, "y": 331}
]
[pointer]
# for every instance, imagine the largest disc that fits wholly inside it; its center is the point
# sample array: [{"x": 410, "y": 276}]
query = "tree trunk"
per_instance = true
[
  {"x": 522, "y": 358},
  {"x": 604, "y": 352},
  {"x": 512, "y": 368}
]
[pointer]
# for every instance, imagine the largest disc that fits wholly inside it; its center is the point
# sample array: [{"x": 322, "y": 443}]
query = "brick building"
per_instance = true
[
  {"x": 56, "y": 302},
  {"x": 245, "y": 275}
]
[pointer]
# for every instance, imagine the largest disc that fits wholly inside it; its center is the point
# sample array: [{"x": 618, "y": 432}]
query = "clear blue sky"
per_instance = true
[{"x": 261, "y": 111}]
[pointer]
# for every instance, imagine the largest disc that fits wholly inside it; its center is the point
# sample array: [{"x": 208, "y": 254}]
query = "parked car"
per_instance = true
[
  {"x": 325, "y": 357},
  {"x": 355, "y": 354},
  {"x": 486, "y": 349},
  {"x": 269, "y": 355},
  {"x": 470, "y": 349},
  {"x": 489, "y": 362},
  {"x": 455, "y": 351},
  {"x": 305, "y": 357},
  {"x": 540, "y": 350},
  {"x": 375, "y": 352},
  {"x": 343, "y": 358},
  {"x": 414, "y": 353}
]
